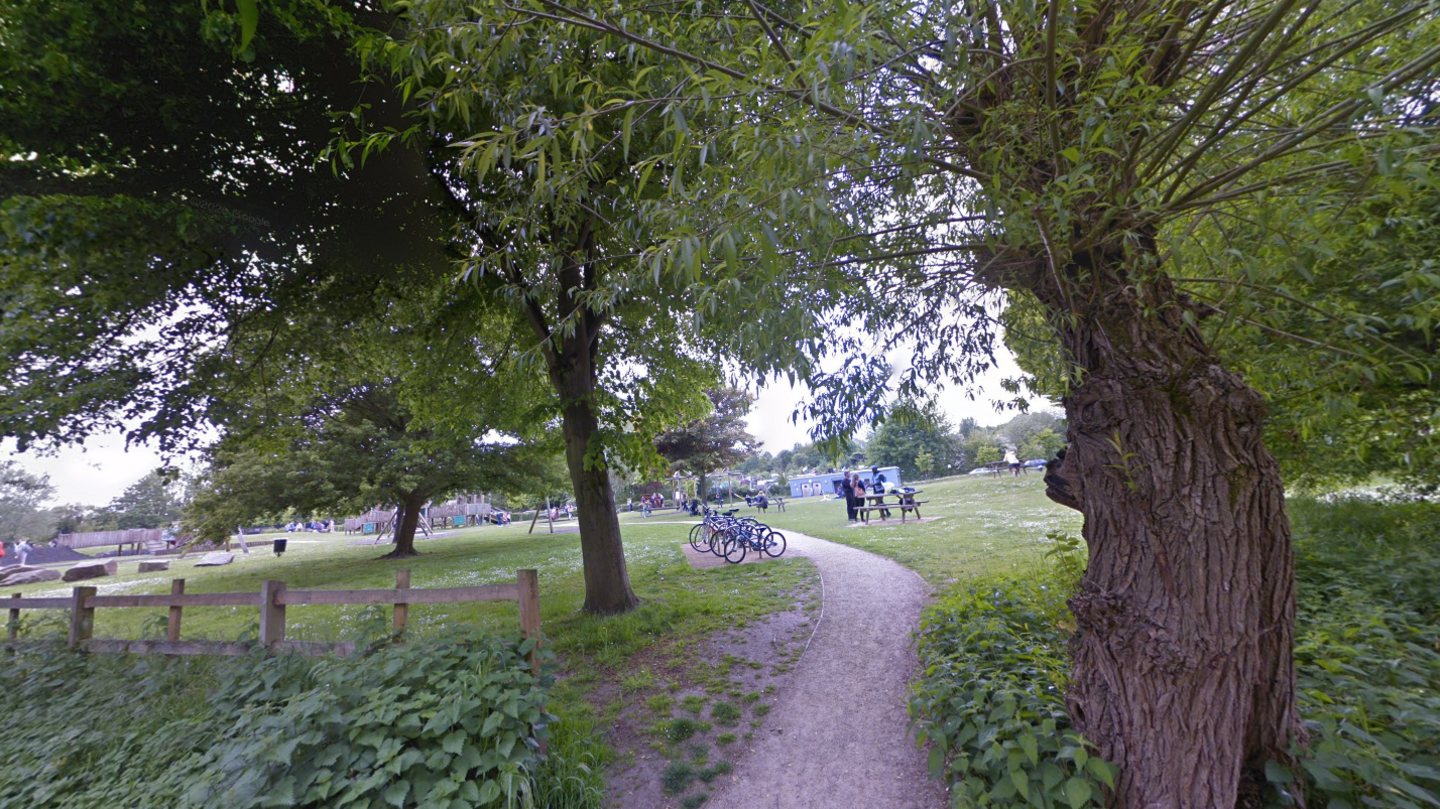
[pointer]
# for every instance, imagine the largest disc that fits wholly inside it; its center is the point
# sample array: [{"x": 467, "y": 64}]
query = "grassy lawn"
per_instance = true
[
  {"x": 973, "y": 526},
  {"x": 650, "y": 681}
]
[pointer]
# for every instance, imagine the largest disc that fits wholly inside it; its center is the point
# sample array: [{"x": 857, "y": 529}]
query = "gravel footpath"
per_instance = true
[{"x": 838, "y": 738}]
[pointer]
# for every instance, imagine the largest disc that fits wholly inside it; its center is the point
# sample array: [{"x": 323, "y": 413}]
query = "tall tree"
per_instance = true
[
  {"x": 426, "y": 400},
  {"x": 161, "y": 194},
  {"x": 716, "y": 441},
  {"x": 1063, "y": 150},
  {"x": 913, "y": 429},
  {"x": 150, "y": 502},
  {"x": 21, "y": 496},
  {"x": 559, "y": 161}
]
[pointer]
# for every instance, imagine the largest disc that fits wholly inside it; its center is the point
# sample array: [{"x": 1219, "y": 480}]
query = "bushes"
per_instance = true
[
  {"x": 1367, "y": 651},
  {"x": 453, "y": 725},
  {"x": 990, "y": 699},
  {"x": 994, "y": 669}
]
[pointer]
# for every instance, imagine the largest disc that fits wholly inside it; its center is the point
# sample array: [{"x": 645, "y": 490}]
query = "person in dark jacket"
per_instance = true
[{"x": 877, "y": 485}]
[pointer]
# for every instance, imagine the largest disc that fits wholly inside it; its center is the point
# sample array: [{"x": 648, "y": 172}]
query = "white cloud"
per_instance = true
[{"x": 93, "y": 474}]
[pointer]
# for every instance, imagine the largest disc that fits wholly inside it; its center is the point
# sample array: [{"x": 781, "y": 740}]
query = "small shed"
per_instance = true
[{"x": 823, "y": 484}]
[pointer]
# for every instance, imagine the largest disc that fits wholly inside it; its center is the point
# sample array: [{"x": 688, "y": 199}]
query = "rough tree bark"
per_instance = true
[
  {"x": 1183, "y": 670},
  {"x": 409, "y": 520},
  {"x": 571, "y": 357}
]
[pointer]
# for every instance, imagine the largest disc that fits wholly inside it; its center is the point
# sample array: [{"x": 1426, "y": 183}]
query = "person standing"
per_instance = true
[
  {"x": 22, "y": 550},
  {"x": 1014, "y": 461},
  {"x": 858, "y": 484},
  {"x": 843, "y": 489},
  {"x": 877, "y": 485}
]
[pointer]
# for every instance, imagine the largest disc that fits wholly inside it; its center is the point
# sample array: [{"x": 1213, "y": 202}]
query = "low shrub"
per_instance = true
[
  {"x": 725, "y": 713},
  {"x": 455, "y": 724},
  {"x": 677, "y": 777},
  {"x": 1367, "y": 652},
  {"x": 990, "y": 699},
  {"x": 1367, "y": 655}
]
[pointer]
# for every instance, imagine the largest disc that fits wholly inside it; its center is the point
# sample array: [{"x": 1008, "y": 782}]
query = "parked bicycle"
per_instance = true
[{"x": 732, "y": 537}]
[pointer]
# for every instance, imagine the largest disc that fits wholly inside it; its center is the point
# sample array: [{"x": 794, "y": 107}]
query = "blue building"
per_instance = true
[{"x": 813, "y": 485}]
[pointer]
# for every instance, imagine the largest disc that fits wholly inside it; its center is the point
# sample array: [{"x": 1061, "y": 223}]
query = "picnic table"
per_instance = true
[{"x": 904, "y": 502}]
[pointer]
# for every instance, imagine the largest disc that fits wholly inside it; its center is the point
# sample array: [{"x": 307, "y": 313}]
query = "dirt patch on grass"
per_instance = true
[
  {"x": 683, "y": 713},
  {"x": 703, "y": 560}
]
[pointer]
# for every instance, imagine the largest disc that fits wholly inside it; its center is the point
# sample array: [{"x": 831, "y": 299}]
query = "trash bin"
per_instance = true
[{"x": 280, "y": 546}]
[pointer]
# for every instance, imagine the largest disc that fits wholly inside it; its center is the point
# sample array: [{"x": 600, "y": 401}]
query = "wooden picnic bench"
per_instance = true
[{"x": 907, "y": 502}]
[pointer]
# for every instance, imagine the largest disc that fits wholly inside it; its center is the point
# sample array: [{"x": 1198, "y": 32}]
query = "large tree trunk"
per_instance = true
[
  {"x": 607, "y": 582},
  {"x": 1183, "y": 671},
  {"x": 405, "y": 531},
  {"x": 571, "y": 357}
]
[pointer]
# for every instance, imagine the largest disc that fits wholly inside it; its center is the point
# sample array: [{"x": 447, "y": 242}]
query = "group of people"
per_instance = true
[
  {"x": 853, "y": 488},
  {"x": 318, "y": 526},
  {"x": 22, "y": 550},
  {"x": 760, "y": 501},
  {"x": 648, "y": 502}
]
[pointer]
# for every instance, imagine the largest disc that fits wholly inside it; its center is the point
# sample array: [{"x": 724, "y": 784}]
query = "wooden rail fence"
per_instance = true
[{"x": 272, "y": 600}]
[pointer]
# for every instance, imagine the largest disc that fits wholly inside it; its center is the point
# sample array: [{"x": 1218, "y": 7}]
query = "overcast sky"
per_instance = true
[{"x": 103, "y": 468}]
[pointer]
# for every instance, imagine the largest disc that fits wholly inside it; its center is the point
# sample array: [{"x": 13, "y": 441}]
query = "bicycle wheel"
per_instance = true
[
  {"x": 774, "y": 543},
  {"x": 734, "y": 549},
  {"x": 700, "y": 538},
  {"x": 718, "y": 540}
]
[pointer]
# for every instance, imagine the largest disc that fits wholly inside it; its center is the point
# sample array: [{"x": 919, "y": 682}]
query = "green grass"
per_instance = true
[
  {"x": 645, "y": 653},
  {"x": 974, "y": 526},
  {"x": 678, "y": 601}
]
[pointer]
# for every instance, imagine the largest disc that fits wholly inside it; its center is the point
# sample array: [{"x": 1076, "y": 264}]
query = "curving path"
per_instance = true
[{"x": 838, "y": 738}]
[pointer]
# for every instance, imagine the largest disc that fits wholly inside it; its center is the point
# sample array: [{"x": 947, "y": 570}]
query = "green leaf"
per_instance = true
[
  {"x": 1021, "y": 780},
  {"x": 1102, "y": 770},
  {"x": 937, "y": 762},
  {"x": 1031, "y": 748},
  {"x": 395, "y": 794},
  {"x": 1072, "y": 154},
  {"x": 1078, "y": 792},
  {"x": 453, "y": 742},
  {"x": 489, "y": 791},
  {"x": 249, "y": 21},
  {"x": 625, "y": 131},
  {"x": 491, "y": 723}
]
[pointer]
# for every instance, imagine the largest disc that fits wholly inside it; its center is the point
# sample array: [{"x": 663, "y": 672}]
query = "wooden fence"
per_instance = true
[
  {"x": 93, "y": 539},
  {"x": 272, "y": 600}
]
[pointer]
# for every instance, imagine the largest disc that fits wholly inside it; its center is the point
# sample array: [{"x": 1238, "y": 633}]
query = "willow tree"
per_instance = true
[
  {"x": 1063, "y": 150},
  {"x": 557, "y": 155}
]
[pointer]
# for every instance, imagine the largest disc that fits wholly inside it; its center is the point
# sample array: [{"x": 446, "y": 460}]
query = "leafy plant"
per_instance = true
[
  {"x": 990, "y": 699},
  {"x": 725, "y": 713},
  {"x": 455, "y": 723},
  {"x": 677, "y": 777},
  {"x": 678, "y": 730},
  {"x": 1367, "y": 652}
]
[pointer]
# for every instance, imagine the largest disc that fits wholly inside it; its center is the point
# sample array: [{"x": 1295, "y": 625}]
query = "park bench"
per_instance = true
[{"x": 914, "y": 505}]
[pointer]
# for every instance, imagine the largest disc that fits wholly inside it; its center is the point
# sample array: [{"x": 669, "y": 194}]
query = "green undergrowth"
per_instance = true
[
  {"x": 454, "y": 723},
  {"x": 990, "y": 697},
  {"x": 995, "y": 665},
  {"x": 1367, "y": 651},
  {"x": 645, "y": 652}
]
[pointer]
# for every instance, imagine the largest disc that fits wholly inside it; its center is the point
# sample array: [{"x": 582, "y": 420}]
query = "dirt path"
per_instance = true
[{"x": 838, "y": 738}]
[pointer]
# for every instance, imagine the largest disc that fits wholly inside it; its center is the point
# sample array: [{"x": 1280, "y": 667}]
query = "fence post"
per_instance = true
[
  {"x": 272, "y": 613},
  {"x": 402, "y": 610},
  {"x": 529, "y": 583},
  {"x": 172, "y": 626},
  {"x": 82, "y": 616},
  {"x": 15, "y": 621}
]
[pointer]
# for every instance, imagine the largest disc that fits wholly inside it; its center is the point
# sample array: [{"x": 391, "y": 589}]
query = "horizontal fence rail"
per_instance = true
[
  {"x": 95, "y": 539},
  {"x": 272, "y": 600}
]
